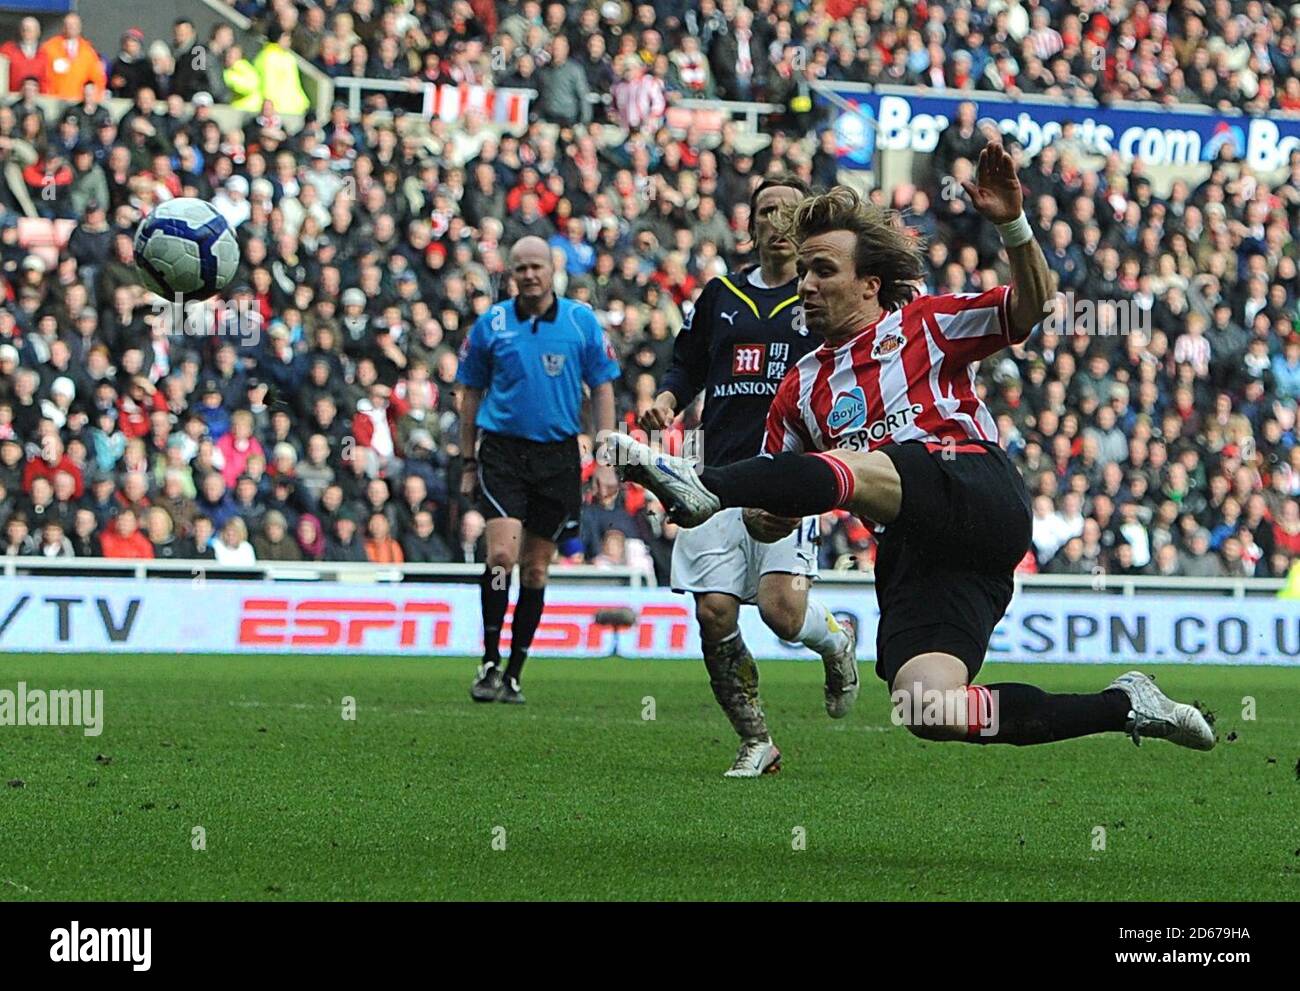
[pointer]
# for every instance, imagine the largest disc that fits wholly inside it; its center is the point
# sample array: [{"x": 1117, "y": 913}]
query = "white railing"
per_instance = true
[
  {"x": 1135, "y": 585},
  {"x": 355, "y": 88},
  {"x": 358, "y": 573}
]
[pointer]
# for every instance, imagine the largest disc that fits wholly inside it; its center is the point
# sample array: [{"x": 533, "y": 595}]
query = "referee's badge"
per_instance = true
[{"x": 553, "y": 363}]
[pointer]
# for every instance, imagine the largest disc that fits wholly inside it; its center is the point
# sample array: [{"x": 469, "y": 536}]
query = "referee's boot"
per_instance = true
[
  {"x": 671, "y": 478},
  {"x": 510, "y": 693},
  {"x": 487, "y": 683},
  {"x": 1155, "y": 714}
]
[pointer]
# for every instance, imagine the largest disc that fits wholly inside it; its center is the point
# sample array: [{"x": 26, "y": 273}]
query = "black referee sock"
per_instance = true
[
  {"x": 528, "y": 613},
  {"x": 494, "y": 600},
  {"x": 1027, "y": 715},
  {"x": 786, "y": 484}
]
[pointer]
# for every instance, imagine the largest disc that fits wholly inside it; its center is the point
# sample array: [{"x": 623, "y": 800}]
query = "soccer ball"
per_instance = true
[{"x": 186, "y": 248}]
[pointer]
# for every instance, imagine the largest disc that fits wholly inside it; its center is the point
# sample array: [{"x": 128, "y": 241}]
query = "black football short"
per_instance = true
[
  {"x": 536, "y": 482},
  {"x": 944, "y": 567}
]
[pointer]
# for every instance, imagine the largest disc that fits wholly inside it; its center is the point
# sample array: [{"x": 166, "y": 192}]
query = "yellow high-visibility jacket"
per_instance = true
[
  {"x": 281, "y": 83},
  {"x": 1291, "y": 590},
  {"x": 245, "y": 86}
]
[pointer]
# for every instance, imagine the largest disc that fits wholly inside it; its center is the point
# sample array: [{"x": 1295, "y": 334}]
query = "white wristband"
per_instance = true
[{"x": 1017, "y": 232}]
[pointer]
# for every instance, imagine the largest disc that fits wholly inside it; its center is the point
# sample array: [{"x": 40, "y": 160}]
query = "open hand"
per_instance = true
[{"x": 996, "y": 190}]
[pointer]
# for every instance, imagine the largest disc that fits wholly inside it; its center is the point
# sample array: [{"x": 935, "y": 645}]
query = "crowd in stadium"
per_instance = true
[{"x": 326, "y": 427}]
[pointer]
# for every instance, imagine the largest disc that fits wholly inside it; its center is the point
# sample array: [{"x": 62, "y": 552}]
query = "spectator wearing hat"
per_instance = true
[
  {"x": 214, "y": 415},
  {"x": 274, "y": 542},
  {"x": 321, "y": 175},
  {"x": 232, "y": 201},
  {"x": 27, "y": 58},
  {"x": 346, "y": 545},
  {"x": 281, "y": 366},
  {"x": 88, "y": 184},
  {"x": 131, "y": 71},
  {"x": 310, "y": 537},
  {"x": 73, "y": 62}
]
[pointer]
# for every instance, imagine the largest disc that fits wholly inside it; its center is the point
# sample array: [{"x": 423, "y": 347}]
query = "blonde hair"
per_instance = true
[{"x": 885, "y": 248}]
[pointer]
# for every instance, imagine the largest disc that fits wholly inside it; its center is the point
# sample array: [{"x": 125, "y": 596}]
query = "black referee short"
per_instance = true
[
  {"x": 944, "y": 567},
  {"x": 537, "y": 482}
]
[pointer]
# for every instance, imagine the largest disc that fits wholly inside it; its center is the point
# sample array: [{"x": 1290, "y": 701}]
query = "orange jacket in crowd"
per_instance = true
[
  {"x": 386, "y": 551},
  {"x": 71, "y": 69}
]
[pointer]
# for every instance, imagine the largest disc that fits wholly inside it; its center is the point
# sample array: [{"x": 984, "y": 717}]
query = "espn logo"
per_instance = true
[
  {"x": 571, "y": 626},
  {"x": 748, "y": 359},
  {"x": 344, "y": 623}
]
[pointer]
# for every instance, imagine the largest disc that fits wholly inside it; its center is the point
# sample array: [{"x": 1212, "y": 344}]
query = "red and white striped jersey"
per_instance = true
[{"x": 908, "y": 376}]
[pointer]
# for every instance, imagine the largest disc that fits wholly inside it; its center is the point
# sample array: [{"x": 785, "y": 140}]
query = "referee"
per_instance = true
[{"x": 522, "y": 370}]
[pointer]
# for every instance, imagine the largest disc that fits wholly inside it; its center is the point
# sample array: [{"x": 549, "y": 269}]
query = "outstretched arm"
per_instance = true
[{"x": 996, "y": 194}]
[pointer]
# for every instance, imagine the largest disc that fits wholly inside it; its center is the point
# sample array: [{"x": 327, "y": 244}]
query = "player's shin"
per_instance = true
[
  {"x": 785, "y": 484},
  {"x": 733, "y": 676},
  {"x": 1022, "y": 714}
]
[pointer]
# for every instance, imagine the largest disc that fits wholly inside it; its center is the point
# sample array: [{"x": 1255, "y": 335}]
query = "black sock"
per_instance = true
[
  {"x": 785, "y": 484},
  {"x": 494, "y": 596},
  {"x": 1025, "y": 715},
  {"x": 528, "y": 613}
]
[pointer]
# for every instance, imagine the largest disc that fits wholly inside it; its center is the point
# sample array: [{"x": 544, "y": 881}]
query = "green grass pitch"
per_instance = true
[{"x": 593, "y": 801}]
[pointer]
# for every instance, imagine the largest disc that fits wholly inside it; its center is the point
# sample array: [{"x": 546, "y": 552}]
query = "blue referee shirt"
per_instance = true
[{"x": 531, "y": 370}]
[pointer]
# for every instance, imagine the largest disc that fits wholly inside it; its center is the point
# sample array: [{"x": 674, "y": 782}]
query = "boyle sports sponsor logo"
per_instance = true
[{"x": 848, "y": 412}]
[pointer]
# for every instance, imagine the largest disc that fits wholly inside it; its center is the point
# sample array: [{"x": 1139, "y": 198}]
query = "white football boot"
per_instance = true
[
  {"x": 754, "y": 759},
  {"x": 671, "y": 478},
  {"x": 1157, "y": 715}
]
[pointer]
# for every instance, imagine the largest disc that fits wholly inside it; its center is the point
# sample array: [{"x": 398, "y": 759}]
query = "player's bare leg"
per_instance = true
[
  {"x": 932, "y": 698},
  {"x": 733, "y": 676},
  {"x": 797, "y": 617}
]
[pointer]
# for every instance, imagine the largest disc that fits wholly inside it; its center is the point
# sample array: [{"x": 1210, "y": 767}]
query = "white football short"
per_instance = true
[{"x": 721, "y": 556}]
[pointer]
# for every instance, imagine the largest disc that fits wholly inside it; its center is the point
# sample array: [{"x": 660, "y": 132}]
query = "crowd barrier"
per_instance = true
[{"x": 200, "y": 615}]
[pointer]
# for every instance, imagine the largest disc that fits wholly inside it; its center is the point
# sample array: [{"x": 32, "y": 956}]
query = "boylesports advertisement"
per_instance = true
[
  {"x": 870, "y": 121},
  {"x": 119, "y": 616}
]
